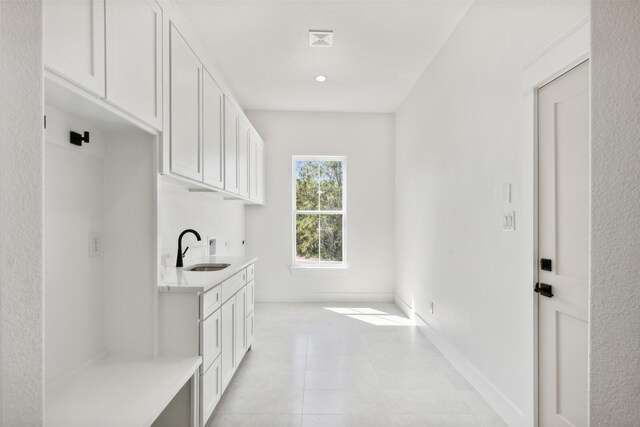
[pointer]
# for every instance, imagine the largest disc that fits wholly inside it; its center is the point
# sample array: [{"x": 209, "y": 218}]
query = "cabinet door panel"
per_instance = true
[
  {"x": 73, "y": 37},
  {"x": 260, "y": 171},
  {"x": 240, "y": 325},
  {"x": 210, "y": 391},
  {"x": 228, "y": 322},
  {"x": 213, "y": 148},
  {"x": 185, "y": 82},
  {"x": 134, "y": 54},
  {"x": 253, "y": 166},
  {"x": 230, "y": 147},
  {"x": 250, "y": 329},
  {"x": 243, "y": 159},
  {"x": 210, "y": 339},
  {"x": 250, "y": 297}
]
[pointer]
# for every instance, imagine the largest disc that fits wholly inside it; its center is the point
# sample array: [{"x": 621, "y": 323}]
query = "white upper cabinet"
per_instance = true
[
  {"x": 243, "y": 158},
  {"x": 73, "y": 37},
  {"x": 253, "y": 163},
  {"x": 230, "y": 147},
  {"x": 184, "y": 106},
  {"x": 256, "y": 168},
  {"x": 212, "y": 131},
  {"x": 134, "y": 58}
]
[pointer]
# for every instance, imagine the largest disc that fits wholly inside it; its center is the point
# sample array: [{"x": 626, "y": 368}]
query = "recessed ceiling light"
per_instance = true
[{"x": 320, "y": 78}]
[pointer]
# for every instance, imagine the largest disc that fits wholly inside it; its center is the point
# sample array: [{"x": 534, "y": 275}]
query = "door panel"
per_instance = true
[
  {"x": 212, "y": 99},
  {"x": 134, "y": 58},
  {"x": 185, "y": 81},
  {"x": 230, "y": 147},
  {"x": 73, "y": 37},
  {"x": 563, "y": 222},
  {"x": 228, "y": 323},
  {"x": 243, "y": 159}
]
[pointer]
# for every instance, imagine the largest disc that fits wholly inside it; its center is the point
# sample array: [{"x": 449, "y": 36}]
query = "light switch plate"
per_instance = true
[
  {"x": 506, "y": 193},
  {"x": 509, "y": 221}
]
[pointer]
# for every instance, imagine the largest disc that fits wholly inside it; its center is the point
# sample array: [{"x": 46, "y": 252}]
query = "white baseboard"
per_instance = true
[
  {"x": 323, "y": 297},
  {"x": 406, "y": 308},
  {"x": 494, "y": 397}
]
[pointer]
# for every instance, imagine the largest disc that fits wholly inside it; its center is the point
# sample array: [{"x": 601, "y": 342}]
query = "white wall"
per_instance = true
[
  {"x": 21, "y": 164},
  {"x": 458, "y": 140},
  {"x": 367, "y": 141},
  {"x": 207, "y": 213},
  {"x": 615, "y": 214},
  {"x": 74, "y": 207}
]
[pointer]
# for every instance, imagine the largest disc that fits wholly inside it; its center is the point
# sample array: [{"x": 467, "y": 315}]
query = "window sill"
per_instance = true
[{"x": 295, "y": 269}]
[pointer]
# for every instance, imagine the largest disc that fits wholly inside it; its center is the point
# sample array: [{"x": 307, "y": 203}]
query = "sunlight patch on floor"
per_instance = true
[{"x": 372, "y": 316}]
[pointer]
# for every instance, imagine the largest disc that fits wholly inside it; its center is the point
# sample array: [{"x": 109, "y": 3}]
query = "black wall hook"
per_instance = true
[{"x": 76, "y": 139}]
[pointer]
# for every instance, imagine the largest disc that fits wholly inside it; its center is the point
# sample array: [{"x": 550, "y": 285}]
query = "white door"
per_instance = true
[
  {"x": 73, "y": 37},
  {"x": 185, "y": 80},
  {"x": 134, "y": 58},
  {"x": 230, "y": 147},
  {"x": 243, "y": 158},
  {"x": 241, "y": 324},
  {"x": 213, "y": 148},
  {"x": 228, "y": 323},
  {"x": 563, "y": 215}
]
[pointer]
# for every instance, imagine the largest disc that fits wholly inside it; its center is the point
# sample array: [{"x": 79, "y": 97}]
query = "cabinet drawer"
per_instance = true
[
  {"x": 210, "y": 391},
  {"x": 210, "y": 301},
  {"x": 251, "y": 272},
  {"x": 210, "y": 340},
  {"x": 250, "y": 296},
  {"x": 232, "y": 285}
]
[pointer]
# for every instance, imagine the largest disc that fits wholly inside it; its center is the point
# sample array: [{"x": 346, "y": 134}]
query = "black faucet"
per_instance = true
[{"x": 180, "y": 253}]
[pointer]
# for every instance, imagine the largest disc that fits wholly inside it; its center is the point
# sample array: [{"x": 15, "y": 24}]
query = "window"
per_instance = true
[{"x": 319, "y": 211}]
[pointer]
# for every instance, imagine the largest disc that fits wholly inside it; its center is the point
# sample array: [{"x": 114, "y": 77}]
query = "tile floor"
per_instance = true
[{"x": 356, "y": 365}]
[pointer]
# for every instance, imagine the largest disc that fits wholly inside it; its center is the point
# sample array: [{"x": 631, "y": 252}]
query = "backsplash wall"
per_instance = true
[{"x": 207, "y": 213}]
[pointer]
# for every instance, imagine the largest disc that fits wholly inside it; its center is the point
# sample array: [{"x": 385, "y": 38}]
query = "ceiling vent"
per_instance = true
[{"x": 321, "y": 38}]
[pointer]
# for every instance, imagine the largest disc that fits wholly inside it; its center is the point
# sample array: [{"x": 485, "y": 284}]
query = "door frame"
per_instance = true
[{"x": 569, "y": 50}]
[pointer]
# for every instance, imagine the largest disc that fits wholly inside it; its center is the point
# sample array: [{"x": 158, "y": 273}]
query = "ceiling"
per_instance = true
[{"x": 380, "y": 49}]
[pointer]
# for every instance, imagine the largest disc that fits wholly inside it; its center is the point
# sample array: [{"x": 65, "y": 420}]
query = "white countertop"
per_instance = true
[
  {"x": 177, "y": 280},
  {"x": 119, "y": 392}
]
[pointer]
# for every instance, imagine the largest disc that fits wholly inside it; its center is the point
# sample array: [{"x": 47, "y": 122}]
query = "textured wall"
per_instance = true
[
  {"x": 367, "y": 141},
  {"x": 21, "y": 168},
  {"x": 459, "y": 138},
  {"x": 615, "y": 213}
]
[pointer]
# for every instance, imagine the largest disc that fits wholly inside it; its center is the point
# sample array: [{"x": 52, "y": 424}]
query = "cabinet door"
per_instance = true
[
  {"x": 210, "y": 391},
  {"x": 184, "y": 81},
  {"x": 260, "y": 155},
  {"x": 250, "y": 329},
  {"x": 228, "y": 322},
  {"x": 253, "y": 166},
  {"x": 210, "y": 339},
  {"x": 243, "y": 158},
  {"x": 241, "y": 321},
  {"x": 213, "y": 148},
  {"x": 230, "y": 147},
  {"x": 134, "y": 58},
  {"x": 250, "y": 297},
  {"x": 73, "y": 37}
]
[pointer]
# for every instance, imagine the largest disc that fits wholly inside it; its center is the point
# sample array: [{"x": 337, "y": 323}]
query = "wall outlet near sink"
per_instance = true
[{"x": 212, "y": 247}]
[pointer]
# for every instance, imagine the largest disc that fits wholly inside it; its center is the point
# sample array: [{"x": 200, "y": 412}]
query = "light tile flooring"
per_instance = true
[{"x": 360, "y": 365}]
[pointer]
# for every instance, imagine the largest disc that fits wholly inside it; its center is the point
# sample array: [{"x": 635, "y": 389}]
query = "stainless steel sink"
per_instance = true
[{"x": 207, "y": 267}]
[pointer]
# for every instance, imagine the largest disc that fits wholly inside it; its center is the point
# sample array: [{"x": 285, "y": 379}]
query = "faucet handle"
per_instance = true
[{"x": 185, "y": 251}]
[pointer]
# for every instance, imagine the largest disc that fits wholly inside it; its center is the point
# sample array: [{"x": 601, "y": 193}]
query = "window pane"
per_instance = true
[
  {"x": 330, "y": 183},
  {"x": 307, "y": 172},
  {"x": 331, "y": 238},
  {"x": 307, "y": 243}
]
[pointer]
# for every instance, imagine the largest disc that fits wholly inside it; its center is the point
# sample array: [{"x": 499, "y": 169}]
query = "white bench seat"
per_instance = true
[{"x": 119, "y": 392}]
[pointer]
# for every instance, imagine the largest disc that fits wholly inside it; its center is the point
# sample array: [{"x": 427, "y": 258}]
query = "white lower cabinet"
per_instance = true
[
  {"x": 228, "y": 362},
  {"x": 210, "y": 390},
  {"x": 241, "y": 325}
]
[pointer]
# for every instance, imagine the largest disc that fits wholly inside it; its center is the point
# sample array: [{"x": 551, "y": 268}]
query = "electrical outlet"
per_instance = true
[
  {"x": 95, "y": 244},
  {"x": 431, "y": 307}
]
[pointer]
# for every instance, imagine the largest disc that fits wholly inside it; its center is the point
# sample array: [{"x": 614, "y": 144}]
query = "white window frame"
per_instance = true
[{"x": 295, "y": 212}]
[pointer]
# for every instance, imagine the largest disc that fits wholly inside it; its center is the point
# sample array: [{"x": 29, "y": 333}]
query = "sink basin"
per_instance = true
[{"x": 206, "y": 267}]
